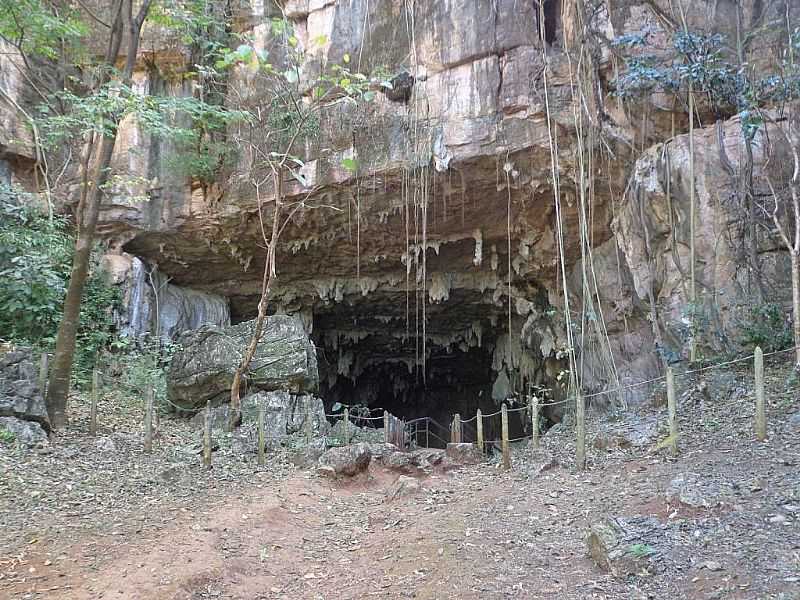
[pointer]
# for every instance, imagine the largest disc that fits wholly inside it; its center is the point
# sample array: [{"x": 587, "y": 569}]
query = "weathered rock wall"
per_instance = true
[{"x": 412, "y": 271}]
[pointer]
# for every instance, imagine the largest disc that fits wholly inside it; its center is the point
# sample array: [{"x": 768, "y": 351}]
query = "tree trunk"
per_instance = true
[
  {"x": 58, "y": 386},
  {"x": 266, "y": 285},
  {"x": 796, "y": 305},
  {"x": 89, "y": 209}
]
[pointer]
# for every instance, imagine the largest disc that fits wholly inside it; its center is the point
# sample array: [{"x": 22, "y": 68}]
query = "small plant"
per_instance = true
[
  {"x": 7, "y": 437},
  {"x": 641, "y": 550}
]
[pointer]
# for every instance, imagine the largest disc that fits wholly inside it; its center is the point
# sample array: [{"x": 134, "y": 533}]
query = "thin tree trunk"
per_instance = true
[
  {"x": 59, "y": 383},
  {"x": 266, "y": 285},
  {"x": 796, "y": 304}
]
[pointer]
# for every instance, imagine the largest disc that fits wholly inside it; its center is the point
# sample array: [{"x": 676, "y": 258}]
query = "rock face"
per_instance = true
[
  {"x": 20, "y": 396},
  {"x": 430, "y": 275},
  {"x": 203, "y": 368},
  {"x": 153, "y": 306},
  {"x": 345, "y": 461}
]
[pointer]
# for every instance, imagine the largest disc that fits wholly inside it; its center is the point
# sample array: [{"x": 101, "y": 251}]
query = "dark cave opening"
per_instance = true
[{"x": 453, "y": 381}]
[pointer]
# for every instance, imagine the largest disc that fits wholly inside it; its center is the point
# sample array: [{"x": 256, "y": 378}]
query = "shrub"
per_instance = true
[
  {"x": 35, "y": 263},
  {"x": 766, "y": 325}
]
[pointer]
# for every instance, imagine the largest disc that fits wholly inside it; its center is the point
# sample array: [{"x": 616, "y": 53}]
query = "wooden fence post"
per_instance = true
[
  {"x": 580, "y": 431},
  {"x": 457, "y": 428},
  {"x": 346, "y": 426},
  {"x": 93, "y": 407},
  {"x": 506, "y": 450},
  {"x": 148, "y": 419},
  {"x": 309, "y": 422},
  {"x": 672, "y": 412},
  {"x": 761, "y": 410},
  {"x": 534, "y": 421},
  {"x": 479, "y": 429},
  {"x": 43, "y": 375},
  {"x": 262, "y": 442},
  {"x": 386, "y": 426},
  {"x": 207, "y": 437}
]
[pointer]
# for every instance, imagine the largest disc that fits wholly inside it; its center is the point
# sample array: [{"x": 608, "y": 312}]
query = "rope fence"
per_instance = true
[{"x": 403, "y": 433}]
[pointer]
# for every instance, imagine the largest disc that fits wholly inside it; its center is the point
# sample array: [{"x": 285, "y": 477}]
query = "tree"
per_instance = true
[
  {"x": 273, "y": 129},
  {"x": 52, "y": 33},
  {"x": 96, "y": 157},
  {"x": 785, "y": 215}
]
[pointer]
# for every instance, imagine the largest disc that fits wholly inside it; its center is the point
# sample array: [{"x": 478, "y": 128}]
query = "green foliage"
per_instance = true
[
  {"x": 766, "y": 325},
  {"x": 700, "y": 60},
  {"x": 7, "y": 437},
  {"x": 40, "y": 28},
  {"x": 641, "y": 550},
  {"x": 142, "y": 365},
  {"x": 35, "y": 264}
]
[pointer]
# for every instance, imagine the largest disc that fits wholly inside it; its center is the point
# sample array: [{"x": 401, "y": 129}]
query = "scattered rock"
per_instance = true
[
  {"x": 25, "y": 433},
  {"x": 401, "y": 462},
  {"x": 464, "y": 454},
  {"x": 696, "y": 491},
  {"x": 620, "y": 546},
  {"x": 426, "y": 458},
  {"x": 105, "y": 444},
  {"x": 345, "y": 460},
  {"x": 794, "y": 420},
  {"x": 403, "y": 486},
  {"x": 635, "y": 433}
]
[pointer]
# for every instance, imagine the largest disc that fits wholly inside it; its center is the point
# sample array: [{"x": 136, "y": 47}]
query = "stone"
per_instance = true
[
  {"x": 403, "y": 486},
  {"x": 426, "y": 458},
  {"x": 20, "y": 396},
  {"x": 464, "y": 454},
  {"x": 401, "y": 462},
  {"x": 345, "y": 461},
  {"x": 25, "y": 433},
  {"x": 694, "y": 490},
  {"x": 356, "y": 434},
  {"x": 620, "y": 546},
  {"x": 794, "y": 420},
  {"x": 219, "y": 417},
  {"x": 105, "y": 444},
  {"x": 380, "y": 450},
  {"x": 308, "y": 455},
  {"x": 202, "y": 369}
]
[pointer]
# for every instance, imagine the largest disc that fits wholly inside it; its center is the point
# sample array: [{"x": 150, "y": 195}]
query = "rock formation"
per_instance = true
[
  {"x": 22, "y": 409},
  {"x": 429, "y": 276},
  {"x": 202, "y": 368}
]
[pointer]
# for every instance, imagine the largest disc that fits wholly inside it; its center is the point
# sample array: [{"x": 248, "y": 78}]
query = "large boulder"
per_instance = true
[
  {"x": 20, "y": 396},
  {"x": 203, "y": 367},
  {"x": 345, "y": 461}
]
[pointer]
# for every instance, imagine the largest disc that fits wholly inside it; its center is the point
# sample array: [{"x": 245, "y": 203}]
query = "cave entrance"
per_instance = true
[{"x": 379, "y": 371}]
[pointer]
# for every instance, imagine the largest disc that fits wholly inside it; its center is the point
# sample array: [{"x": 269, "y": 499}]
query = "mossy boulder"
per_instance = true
[{"x": 202, "y": 369}]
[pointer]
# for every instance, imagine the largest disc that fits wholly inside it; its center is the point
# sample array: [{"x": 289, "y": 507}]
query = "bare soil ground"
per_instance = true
[{"x": 94, "y": 518}]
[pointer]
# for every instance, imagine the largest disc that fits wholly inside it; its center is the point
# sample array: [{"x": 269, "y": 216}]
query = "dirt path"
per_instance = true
[
  {"x": 473, "y": 533},
  {"x": 722, "y": 521}
]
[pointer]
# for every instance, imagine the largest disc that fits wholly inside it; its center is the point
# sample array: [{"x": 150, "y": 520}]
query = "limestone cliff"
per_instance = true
[{"x": 432, "y": 271}]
